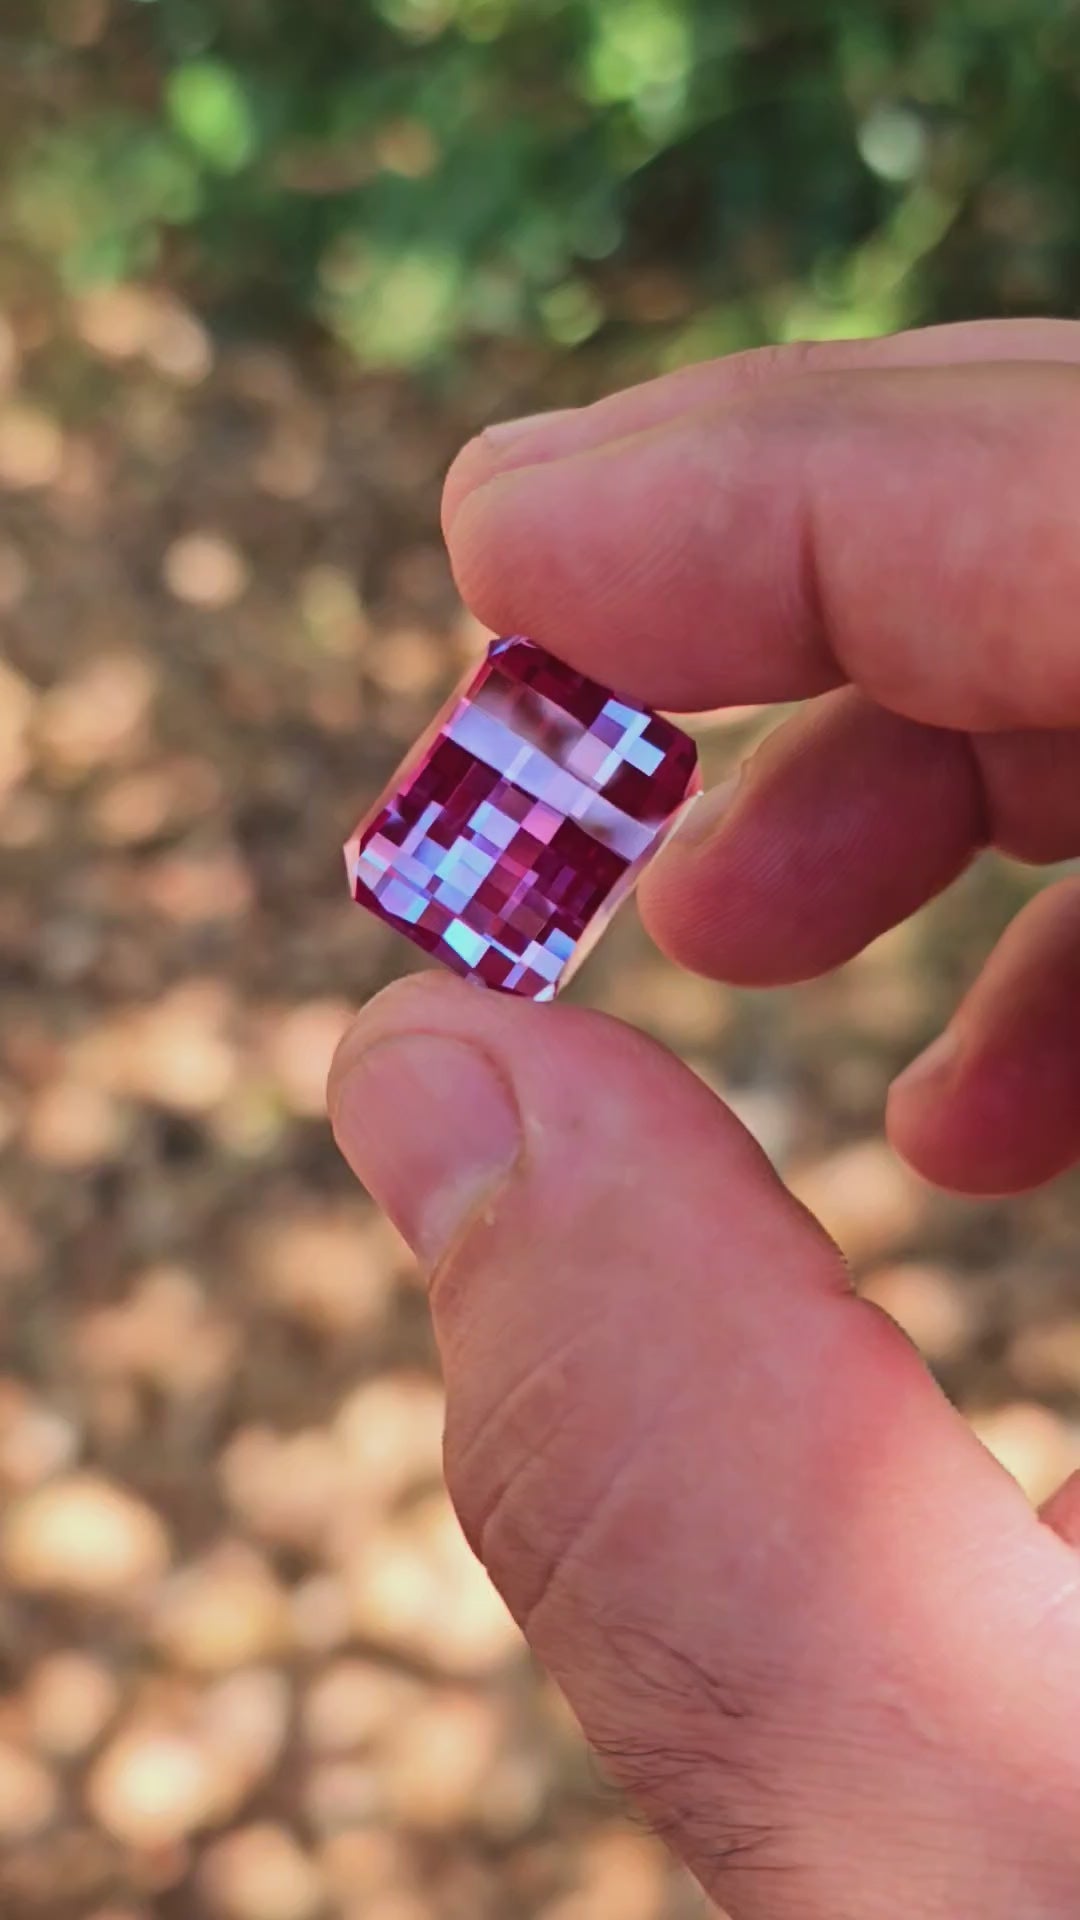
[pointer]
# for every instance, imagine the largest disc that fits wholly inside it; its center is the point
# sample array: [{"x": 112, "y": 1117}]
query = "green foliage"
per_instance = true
[
  {"x": 206, "y": 102},
  {"x": 419, "y": 174}
]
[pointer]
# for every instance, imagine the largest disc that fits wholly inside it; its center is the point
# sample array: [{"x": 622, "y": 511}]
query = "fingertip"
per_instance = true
[
  {"x": 842, "y": 822},
  {"x": 927, "y": 1075},
  {"x": 945, "y": 1135},
  {"x": 476, "y": 463},
  {"x": 973, "y": 1126},
  {"x": 489, "y": 547},
  {"x": 573, "y": 550},
  {"x": 380, "y": 1014},
  {"x": 920, "y": 1119},
  {"x": 1061, "y": 1513},
  {"x": 995, "y": 1107},
  {"x": 508, "y": 444}
]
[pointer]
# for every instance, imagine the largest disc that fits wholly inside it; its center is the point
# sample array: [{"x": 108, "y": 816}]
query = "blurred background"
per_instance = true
[{"x": 262, "y": 269}]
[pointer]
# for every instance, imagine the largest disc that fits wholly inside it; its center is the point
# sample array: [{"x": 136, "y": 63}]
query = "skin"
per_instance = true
[{"x": 800, "y": 1612}]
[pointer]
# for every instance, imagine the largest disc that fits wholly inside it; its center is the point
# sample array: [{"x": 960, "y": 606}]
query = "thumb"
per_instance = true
[{"x": 800, "y": 1613}]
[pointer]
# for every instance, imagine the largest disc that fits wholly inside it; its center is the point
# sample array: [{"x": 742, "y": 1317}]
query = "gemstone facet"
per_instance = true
[{"x": 521, "y": 820}]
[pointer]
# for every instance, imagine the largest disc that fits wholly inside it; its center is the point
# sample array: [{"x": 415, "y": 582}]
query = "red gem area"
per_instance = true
[{"x": 521, "y": 820}]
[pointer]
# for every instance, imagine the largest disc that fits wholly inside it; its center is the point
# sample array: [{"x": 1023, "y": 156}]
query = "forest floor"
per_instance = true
[{"x": 248, "y": 1669}]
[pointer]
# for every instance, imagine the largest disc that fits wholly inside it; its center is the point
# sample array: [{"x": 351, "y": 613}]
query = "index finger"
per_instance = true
[{"x": 910, "y": 529}]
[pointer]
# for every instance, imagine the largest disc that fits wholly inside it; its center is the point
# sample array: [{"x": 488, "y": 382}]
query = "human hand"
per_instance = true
[{"x": 805, "y": 1618}]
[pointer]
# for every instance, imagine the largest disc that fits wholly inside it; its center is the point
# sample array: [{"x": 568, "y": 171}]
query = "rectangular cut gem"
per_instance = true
[{"x": 521, "y": 820}]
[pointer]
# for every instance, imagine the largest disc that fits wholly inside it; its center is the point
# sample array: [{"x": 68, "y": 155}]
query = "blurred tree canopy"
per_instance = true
[{"x": 415, "y": 176}]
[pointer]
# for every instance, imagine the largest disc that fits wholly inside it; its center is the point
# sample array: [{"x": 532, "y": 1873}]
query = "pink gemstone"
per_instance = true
[{"x": 521, "y": 820}]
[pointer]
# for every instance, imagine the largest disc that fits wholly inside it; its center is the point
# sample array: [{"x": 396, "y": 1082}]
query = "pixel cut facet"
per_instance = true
[{"x": 521, "y": 820}]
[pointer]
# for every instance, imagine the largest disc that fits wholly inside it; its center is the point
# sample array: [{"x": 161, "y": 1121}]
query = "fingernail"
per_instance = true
[
  {"x": 431, "y": 1128},
  {"x": 932, "y": 1064},
  {"x": 505, "y": 433},
  {"x": 704, "y": 817}
]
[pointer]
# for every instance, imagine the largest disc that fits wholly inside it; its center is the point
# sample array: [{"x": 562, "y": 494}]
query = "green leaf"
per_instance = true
[{"x": 208, "y": 104}]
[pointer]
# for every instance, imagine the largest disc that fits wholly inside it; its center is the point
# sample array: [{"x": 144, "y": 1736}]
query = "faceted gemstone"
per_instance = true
[{"x": 521, "y": 819}]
